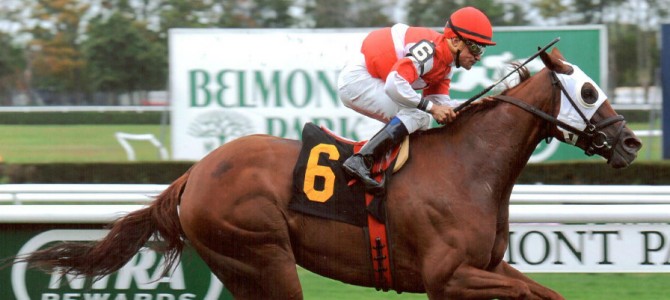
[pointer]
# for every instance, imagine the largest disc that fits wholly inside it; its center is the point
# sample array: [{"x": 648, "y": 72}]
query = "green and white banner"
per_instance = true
[
  {"x": 227, "y": 83},
  {"x": 139, "y": 279}
]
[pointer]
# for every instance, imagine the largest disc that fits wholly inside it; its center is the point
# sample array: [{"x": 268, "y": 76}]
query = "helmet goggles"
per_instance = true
[{"x": 474, "y": 48}]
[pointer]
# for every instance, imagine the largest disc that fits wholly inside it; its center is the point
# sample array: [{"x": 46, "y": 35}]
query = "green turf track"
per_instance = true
[
  {"x": 591, "y": 286},
  {"x": 74, "y": 143},
  {"x": 96, "y": 143}
]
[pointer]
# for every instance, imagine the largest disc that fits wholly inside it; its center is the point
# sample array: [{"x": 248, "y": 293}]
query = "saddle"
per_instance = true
[{"x": 321, "y": 186}]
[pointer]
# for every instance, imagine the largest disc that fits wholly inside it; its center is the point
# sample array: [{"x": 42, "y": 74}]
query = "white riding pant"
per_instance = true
[{"x": 365, "y": 94}]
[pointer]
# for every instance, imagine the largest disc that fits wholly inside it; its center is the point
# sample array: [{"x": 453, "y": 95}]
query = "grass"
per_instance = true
[
  {"x": 619, "y": 286},
  {"x": 624, "y": 286},
  {"x": 317, "y": 287},
  {"x": 96, "y": 143},
  {"x": 74, "y": 143}
]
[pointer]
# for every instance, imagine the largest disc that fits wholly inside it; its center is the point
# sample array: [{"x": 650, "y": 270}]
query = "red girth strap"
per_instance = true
[
  {"x": 380, "y": 253},
  {"x": 379, "y": 250}
]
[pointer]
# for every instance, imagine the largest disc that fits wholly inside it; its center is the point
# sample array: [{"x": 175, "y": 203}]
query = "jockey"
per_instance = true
[{"x": 394, "y": 62}]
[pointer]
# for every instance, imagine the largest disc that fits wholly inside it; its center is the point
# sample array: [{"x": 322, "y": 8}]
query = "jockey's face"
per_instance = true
[{"x": 470, "y": 54}]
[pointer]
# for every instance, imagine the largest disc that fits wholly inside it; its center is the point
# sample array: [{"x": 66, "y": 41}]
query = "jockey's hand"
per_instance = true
[{"x": 443, "y": 114}]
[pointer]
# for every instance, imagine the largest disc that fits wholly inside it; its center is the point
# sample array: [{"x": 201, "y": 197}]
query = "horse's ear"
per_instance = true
[
  {"x": 557, "y": 53},
  {"x": 554, "y": 61}
]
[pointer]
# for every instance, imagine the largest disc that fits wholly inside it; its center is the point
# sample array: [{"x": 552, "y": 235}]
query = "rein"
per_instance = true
[{"x": 597, "y": 140}]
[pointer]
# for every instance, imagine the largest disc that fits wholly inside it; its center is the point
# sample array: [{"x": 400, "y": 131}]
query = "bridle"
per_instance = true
[{"x": 596, "y": 140}]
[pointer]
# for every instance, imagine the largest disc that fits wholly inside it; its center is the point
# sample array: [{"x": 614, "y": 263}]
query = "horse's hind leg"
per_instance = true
[
  {"x": 271, "y": 275},
  {"x": 233, "y": 211},
  {"x": 246, "y": 243}
]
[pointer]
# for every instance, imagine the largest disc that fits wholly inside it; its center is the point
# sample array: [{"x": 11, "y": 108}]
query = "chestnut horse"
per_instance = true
[{"x": 447, "y": 208}]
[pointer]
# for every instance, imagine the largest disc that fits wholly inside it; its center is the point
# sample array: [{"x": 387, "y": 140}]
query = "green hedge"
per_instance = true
[
  {"x": 155, "y": 173},
  {"x": 80, "y": 118},
  {"x": 594, "y": 172},
  {"x": 597, "y": 172}
]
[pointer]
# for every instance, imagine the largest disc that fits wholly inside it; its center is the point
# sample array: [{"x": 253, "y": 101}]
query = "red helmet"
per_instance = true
[{"x": 470, "y": 23}]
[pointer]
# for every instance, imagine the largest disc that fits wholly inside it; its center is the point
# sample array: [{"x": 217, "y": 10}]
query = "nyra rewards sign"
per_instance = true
[{"x": 140, "y": 279}]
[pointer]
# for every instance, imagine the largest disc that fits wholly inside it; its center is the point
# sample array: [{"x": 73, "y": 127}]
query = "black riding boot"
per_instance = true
[{"x": 359, "y": 164}]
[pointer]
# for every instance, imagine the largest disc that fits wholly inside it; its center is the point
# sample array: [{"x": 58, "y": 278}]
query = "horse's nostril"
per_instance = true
[{"x": 633, "y": 143}]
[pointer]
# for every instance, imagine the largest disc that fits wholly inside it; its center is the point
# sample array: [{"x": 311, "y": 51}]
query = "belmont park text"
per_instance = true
[{"x": 257, "y": 88}]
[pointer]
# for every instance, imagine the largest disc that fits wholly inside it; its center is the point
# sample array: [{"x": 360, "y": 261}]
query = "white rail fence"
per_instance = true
[
  {"x": 95, "y": 203},
  {"x": 79, "y": 193}
]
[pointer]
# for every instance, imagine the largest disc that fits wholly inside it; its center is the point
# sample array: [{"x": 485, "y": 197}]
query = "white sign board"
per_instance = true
[
  {"x": 589, "y": 248},
  {"x": 227, "y": 83}
]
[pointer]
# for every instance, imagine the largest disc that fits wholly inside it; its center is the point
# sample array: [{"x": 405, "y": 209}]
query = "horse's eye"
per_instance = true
[{"x": 589, "y": 93}]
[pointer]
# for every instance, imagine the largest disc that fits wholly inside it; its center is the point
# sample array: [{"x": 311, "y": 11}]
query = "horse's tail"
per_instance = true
[{"x": 126, "y": 237}]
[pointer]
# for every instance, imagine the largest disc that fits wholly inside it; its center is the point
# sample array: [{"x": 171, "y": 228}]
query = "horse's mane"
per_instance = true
[{"x": 523, "y": 72}]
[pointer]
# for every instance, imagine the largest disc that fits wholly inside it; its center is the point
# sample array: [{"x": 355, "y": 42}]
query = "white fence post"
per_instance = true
[{"x": 123, "y": 138}]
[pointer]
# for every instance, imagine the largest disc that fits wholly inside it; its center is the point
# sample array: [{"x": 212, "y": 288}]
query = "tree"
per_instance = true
[
  {"x": 327, "y": 14},
  {"x": 8, "y": 55},
  {"x": 184, "y": 14},
  {"x": 370, "y": 13},
  {"x": 500, "y": 14},
  {"x": 12, "y": 62},
  {"x": 436, "y": 14},
  {"x": 272, "y": 13},
  {"x": 54, "y": 58},
  {"x": 631, "y": 25},
  {"x": 349, "y": 13},
  {"x": 256, "y": 14},
  {"x": 121, "y": 58},
  {"x": 431, "y": 13}
]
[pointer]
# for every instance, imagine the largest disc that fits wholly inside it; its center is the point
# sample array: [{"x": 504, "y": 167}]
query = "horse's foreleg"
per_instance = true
[
  {"x": 504, "y": 282},
  {"x": 470, "y": 283},
  {"x": 539, "y": 291}
]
